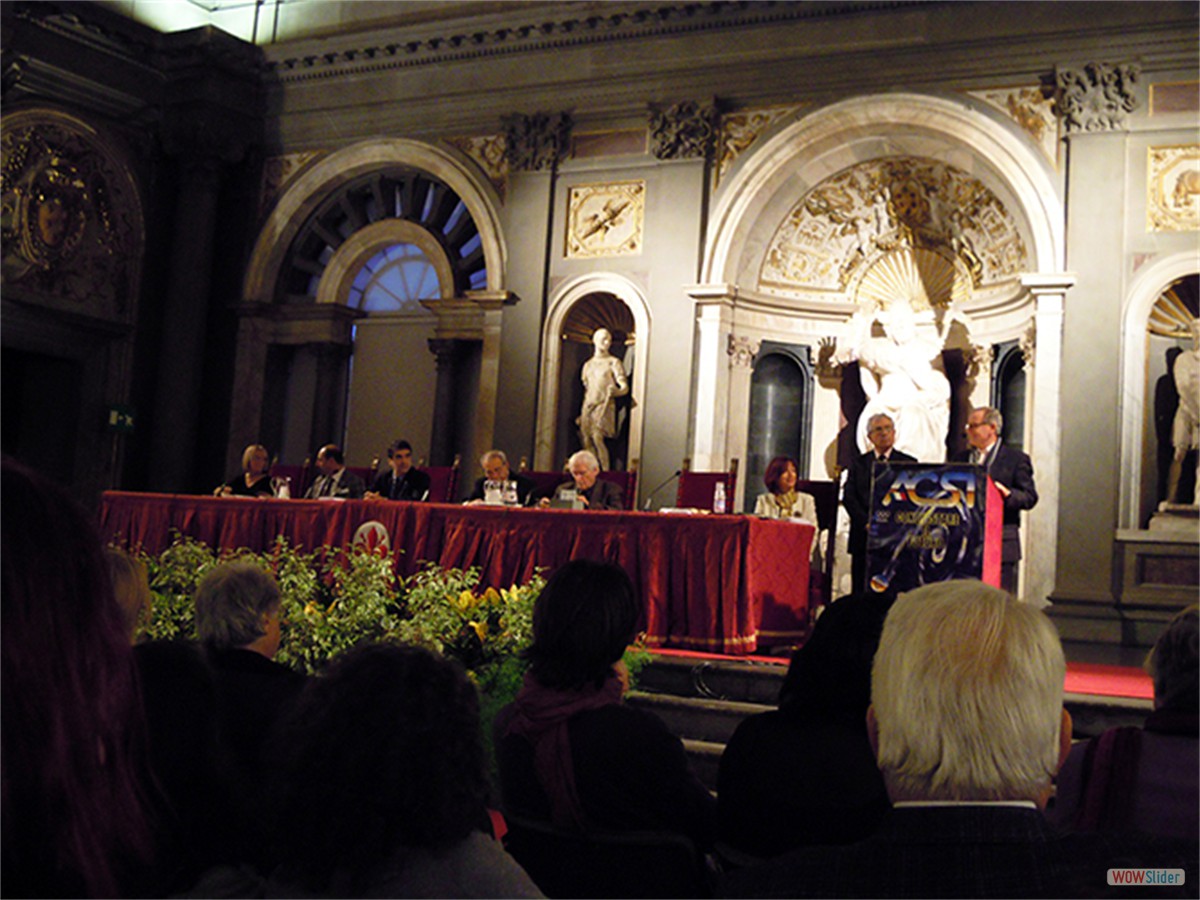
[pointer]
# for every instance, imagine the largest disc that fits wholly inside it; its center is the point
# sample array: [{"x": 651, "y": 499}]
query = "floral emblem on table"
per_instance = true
[{"x": 373, "y": 537}]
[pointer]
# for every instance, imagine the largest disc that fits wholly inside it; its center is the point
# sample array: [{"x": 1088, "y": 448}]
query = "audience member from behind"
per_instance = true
[
  {"x": 570, "y": 752},
  {"x": 75, "y": 819},
  {"x": 1144, "y": 778},
  {"x": 131, "y": 588},
  {"x": 237, "y": 618},
  {"x": 255, "y": 478},
  {"x": 805, "y": 774},
  {"x": 400, "y": 481},
  {"x": 381, "y": 785},
  {"x": 967, "y": 723}
]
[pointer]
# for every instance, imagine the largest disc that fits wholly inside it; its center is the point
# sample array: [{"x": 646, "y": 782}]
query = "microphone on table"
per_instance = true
[{"x": 668, "y": 480}]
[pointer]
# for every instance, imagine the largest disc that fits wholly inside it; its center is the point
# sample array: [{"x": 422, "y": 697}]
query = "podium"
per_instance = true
[{"x": 932, "y": 522}]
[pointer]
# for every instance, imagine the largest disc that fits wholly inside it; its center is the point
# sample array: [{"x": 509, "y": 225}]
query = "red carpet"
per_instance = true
[{"x": 1082, "y": 678}]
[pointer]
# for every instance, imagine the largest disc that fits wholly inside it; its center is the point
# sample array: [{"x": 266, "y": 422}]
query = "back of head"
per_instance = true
[
  {"x": 130, "y": 586},
  {"x": 584, "y": 618},
  {"x": 231, "y": 601},
  {"x": 967, "y": 696},
  {"x": 71, "y": 721},
  {"x": 1172, "y": 663},
  {"x": 384, "y": 751}
]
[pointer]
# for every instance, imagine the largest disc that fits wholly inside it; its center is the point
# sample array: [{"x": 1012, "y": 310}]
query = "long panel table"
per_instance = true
[{"x": 715, "y": 583}]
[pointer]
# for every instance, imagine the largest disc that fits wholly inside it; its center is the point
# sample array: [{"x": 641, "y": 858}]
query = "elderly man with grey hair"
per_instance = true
[
  {"x": 238, "y": 620},
  {"x": 495, "y": 468},
  {"x": 968, "y": 729},
  {"x": 594, "y": 492}
]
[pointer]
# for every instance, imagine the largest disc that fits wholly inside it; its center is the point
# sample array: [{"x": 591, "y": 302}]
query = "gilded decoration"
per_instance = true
[
  {"x": 487, "y": 152},
  {"x": 69, "y": 218},
  {"x": 739, "y": 131},
  {"x": 932, "y": 221},
  {"x": 1031, "y": 110},
  {"x": 1173, "y": 188},
  {"x": 605, "y": 219},
  {"x": 278, "y": 171}
]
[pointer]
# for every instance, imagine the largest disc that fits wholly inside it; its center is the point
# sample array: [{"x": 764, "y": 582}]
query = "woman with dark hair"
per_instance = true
[
  {"x": 75, "y": 820},
  {"x": 805, "y": 773},
  {"x": 380, "y": 786},
  {"x": 782, "y": 500},
  {"x": 569, "y": 750}
]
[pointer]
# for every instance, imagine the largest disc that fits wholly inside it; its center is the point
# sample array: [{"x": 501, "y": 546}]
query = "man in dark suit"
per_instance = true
[
  {"x": 495, "y": 468},
  {"x": 585, "y": 481},
  {"x": 968, "y": 728},
  {"x": 1012, "y": 472},
  {"x": 881, "y": 432},
  {"x": 401, "y": 481},
  {"x": 335, "y": 479}
]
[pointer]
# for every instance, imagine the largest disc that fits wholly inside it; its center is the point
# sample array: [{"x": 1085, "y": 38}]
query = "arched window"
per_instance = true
[{"x": 394, "y": 281}]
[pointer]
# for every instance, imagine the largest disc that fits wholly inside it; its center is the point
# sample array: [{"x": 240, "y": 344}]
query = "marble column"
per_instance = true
[
  {"x": 442, "y": 442},
  {"x": 714, "y": 325},
  {"x": 1041, "y": 532}
]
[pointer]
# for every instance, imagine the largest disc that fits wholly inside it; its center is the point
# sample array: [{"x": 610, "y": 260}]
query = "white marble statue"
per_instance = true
[
  {"x": 902, "y": 375},
  {"x": 1185, "y": 430},
  {"x": 603, "y": 381}
]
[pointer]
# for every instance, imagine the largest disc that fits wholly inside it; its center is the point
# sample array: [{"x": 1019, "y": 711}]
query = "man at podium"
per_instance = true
[{"x": 1012, "y": 472}]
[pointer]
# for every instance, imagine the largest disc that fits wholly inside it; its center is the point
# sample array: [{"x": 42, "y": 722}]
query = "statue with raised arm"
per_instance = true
[
  {"x": 1185, "y": 430},
  {"x": 603, "y": 381},
  {"x": 900, "y": 365}
]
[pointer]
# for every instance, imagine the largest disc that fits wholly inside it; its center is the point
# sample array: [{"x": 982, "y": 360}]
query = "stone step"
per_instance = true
[
  {"x": 694, "y": 718},
  {"x": 747, "y": 681},
  {"x": 705, "y": 757}
]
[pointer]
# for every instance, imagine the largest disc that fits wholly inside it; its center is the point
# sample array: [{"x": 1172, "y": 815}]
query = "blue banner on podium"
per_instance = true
[{"x": 932, "y": 522}]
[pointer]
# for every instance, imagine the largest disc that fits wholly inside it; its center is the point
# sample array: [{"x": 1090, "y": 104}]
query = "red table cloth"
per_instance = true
[{"x": 716, "y": 583}]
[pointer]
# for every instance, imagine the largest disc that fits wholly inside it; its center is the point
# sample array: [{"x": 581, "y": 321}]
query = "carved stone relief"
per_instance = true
[
  {"x": 278, "y": 171},
  {"x": 741, "y": 351},
  {"x": 605, "y": 219},
  {"x": 1096, "y": 97},
  {"x": 739, "y": 131},
  {"x": 488, "y": 152},
  {"x": 1031, "y": 110},
  {"x": 684, "y": 131},
  {"x": 70, "y": 219},
  {"x": 847, "y": 223},
  {"x": 537, "y": 142},
  {"x": 1173, "y": 188}
]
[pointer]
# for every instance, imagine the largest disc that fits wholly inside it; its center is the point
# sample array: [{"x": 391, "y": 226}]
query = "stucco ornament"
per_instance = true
[
  {"x": 686, "y": 130},
  {"x": 536, "y": 142},
  {"x": 1096, "y": 97}
]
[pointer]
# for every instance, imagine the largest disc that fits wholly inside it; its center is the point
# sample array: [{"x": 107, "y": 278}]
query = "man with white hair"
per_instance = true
[
  {"x": 587, "y": 484},
  {"x": 968, "y": 729}
]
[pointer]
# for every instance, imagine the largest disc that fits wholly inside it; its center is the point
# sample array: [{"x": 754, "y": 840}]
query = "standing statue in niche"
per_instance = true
[
  {"x": 902, "y": 376},
  {"x": 1185, "y": 430},
  {"x": 603, "y": 381}
]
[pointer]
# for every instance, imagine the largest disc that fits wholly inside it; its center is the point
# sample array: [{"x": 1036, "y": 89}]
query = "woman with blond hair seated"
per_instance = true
[{"x": 255, "y": 478}]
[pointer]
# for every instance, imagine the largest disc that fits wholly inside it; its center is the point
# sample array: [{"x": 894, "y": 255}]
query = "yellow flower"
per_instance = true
[
  {"x": 481, "y": 629},
  {"x": 467, "y": 600},
  {"x": 490, "y": 597}
]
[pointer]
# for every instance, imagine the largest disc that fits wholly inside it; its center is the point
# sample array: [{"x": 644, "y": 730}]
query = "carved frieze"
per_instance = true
[
  {"x": 1028, "y": 344},
  {"x": 1173, "y": 188},
  {"x": 683, "y": 131},
  {"x": 850, "y": 221},
  {"x": 1096, "y": 97},
  {"x": 1032, "y": 110},
  {"x": 536, "y": 142},
  {"x": 70, "y": 219},
  {"x": 605, "y": 219},
  {"x": 738, "y": 131},
  {"x": 489, "y": 153},
  {"x": 278, "y": 171}
]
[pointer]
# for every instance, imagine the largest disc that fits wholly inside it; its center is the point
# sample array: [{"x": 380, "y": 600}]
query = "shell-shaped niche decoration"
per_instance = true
[
  {"x": 917, "y": 277},
  {"x": 1175, "y": 310}
]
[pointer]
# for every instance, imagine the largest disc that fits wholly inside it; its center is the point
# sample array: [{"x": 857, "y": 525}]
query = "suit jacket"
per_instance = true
[
  {"x": 962, "y": 851},
  {"x": 601, "y": 495},
  {"x": 857, "y": 495},
  {"x": 1014, "y": 470},
  {"x": 345, "y": 483},
  {"x": 413, "y": 486},
  {"x": 525, "y": 487}
]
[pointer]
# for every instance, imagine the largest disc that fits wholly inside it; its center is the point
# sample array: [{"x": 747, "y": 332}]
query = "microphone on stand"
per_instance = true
[{"x": 668, "y": 480}]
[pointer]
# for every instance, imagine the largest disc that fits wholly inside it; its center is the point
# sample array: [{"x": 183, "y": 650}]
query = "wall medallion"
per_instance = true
[
  {"x": 605, "y": 219},
  {"x": 1173, "y": 188}
]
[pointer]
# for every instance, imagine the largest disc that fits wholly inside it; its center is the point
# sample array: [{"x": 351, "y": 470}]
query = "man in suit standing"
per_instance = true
[
  {"x": 401, "y": 481},
  {"x": 968, "y": 728},
  {"x": 881, "y": 432},
  {"x": 1012, "y": 472},
  {"x": 335, "y": 479}
]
